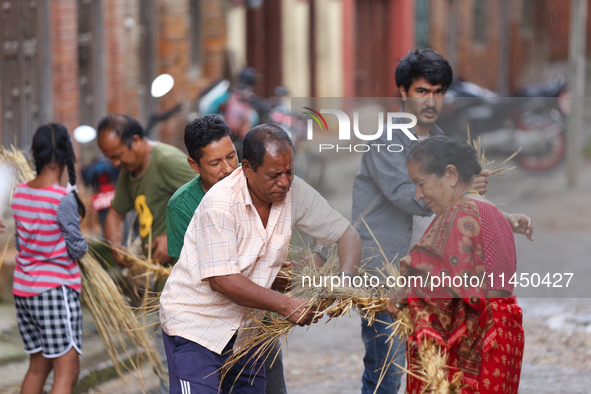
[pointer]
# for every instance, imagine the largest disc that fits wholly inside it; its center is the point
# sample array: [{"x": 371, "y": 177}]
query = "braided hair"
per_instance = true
[{"x": 52, "y": 144}]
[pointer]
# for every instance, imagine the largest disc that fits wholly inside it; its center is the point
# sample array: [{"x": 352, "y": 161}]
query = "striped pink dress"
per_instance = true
[{"x": 48, "y": 239}]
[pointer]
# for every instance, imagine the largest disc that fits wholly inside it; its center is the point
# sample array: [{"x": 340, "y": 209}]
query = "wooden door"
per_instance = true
[
  {"x": 20, "y": 81},
  {"x": 372, "y": 48},
  {"x": 264, "y": 46}
]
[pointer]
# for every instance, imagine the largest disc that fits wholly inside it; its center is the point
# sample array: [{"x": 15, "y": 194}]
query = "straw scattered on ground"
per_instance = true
[{"x": 119, "y": 329}]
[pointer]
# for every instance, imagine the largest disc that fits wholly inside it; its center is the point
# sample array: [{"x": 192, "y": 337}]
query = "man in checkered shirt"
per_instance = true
[{"x": 233, "y": 250}]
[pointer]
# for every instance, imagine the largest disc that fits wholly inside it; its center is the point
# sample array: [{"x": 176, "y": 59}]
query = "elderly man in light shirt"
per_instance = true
[{"x": 233, "y": 250}]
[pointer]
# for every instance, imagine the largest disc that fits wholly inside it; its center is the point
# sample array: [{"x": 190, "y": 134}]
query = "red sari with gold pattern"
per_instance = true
[{"x": 482, "y": 337}]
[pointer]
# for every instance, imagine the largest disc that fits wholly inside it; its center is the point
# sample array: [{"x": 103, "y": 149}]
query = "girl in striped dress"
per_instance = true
[{"x": 47, "y": 279}]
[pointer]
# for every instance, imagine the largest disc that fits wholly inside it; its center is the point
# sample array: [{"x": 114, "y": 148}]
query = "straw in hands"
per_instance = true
[
  {"x": 133, "y": 257},
  {"x": 485, "y": 163},
  {"x": 18, "y": 163}
]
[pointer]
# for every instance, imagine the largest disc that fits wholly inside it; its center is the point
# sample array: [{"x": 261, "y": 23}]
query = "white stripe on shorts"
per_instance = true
[{"x": 185, "y": 386}]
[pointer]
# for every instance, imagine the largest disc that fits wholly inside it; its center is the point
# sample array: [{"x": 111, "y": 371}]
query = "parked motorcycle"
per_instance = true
[
  {"x": 242, "y": 110},
  {"x": 534, "y": 121}
]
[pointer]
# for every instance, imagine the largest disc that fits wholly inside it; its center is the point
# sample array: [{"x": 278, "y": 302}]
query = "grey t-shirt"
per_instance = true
[{"x": 384, "y": 194}]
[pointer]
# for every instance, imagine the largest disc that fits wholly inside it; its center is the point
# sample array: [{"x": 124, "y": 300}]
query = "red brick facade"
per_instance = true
[
  {"x": 123, "y": 65},
  {"x": 531, "y": 50},
  {"x": 173, "y": 53},
  {"x": 64, "y": 37},
  {"x": 122, "y": 61},
  {"x": 115, "y": 49}
]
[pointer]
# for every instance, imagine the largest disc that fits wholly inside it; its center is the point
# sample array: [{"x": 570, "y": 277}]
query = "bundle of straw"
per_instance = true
[
  {"x": 266, "y": 332},
  {"x": 133, "y": 258},
  {"x": 263, "y": 333},
  {"x": 485, "y": 163},
  {"x": 363, "y": 300},
  {"x": 433, "y": 369},
  {"x": 18, "y": 163},
  {"x": 120, "y": 331},
  {"x": 307, "y": 267}
]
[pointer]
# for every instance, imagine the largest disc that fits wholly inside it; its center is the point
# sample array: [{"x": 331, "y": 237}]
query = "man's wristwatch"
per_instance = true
[
  {"x": 322, "y": 251},
  {"x": 399, "y": 305}
]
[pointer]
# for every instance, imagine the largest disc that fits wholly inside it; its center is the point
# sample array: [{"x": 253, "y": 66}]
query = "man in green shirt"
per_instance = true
[
  {"x": 151, "y": 173},
  {"x": 213, "y": 157}
]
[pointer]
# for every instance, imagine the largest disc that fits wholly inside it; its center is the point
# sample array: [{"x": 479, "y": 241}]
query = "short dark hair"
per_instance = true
[
  {"x": 125, "y": 127},
  {"x": 202, "y": 132},
  {"x": 424, "y": 62},
  {"x": 259, "y": 138},
  {"x": 435, "y": 153}
]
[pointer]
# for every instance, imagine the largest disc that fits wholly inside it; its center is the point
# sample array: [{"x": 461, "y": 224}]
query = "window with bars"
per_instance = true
[{"x": 480, "y": 22}]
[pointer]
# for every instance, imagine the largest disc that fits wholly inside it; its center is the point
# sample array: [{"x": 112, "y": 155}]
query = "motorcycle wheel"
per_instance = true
[{"x": 547, "y": 160}]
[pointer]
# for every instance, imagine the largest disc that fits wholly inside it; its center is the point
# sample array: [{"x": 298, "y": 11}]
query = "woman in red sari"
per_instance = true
[{"x": 475, "y": 319}]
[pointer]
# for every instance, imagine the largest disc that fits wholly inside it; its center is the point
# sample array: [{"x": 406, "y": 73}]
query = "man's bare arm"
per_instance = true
[
  {"x": 480, "y": 182},
  {"x": 114, "y": 227},
  {"x": 349, "y": 249},
  {"x": 520, "y": 223},
  {"x": 244, "y": 292}
]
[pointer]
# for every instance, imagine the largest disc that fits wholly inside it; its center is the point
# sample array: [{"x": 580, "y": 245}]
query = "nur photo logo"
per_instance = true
[{"x": 344, "y": 129}]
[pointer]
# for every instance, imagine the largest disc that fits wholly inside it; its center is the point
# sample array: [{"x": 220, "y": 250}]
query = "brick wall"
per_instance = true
[
  {"x": 173, "y": 54},
  {"x": 64, "y": 44},
  {"x": 115, "y": 50},
  {"x": 557, "y": 13},
  {"x": 557, "y": 22},
  {"x": 214, "y": 39},
  {"x": 130, "y": 41},
  {"x": 534, "y": 55},
  {"x": 121, "y": 42}
]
